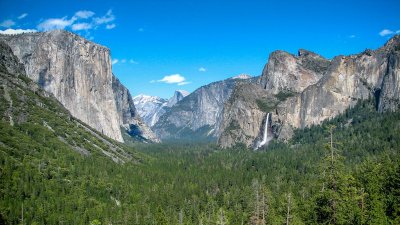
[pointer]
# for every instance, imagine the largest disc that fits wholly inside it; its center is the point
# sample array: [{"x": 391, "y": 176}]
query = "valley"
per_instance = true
[{"x": 163, "y": 125}]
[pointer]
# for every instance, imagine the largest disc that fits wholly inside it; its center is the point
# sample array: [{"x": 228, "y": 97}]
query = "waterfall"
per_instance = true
[{"x": 265, "y": 136}]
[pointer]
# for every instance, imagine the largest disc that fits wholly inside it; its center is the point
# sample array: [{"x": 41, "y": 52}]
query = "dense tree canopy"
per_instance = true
[{"x": 353, "y": 178}]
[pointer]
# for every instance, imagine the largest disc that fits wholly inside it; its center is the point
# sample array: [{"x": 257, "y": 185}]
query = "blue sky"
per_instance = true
[{"x": 161, "y": 46}]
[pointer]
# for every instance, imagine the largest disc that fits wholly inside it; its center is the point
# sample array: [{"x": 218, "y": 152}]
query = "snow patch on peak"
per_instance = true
[
  {"x": 147, "y": 98},
  {"x": 151, "y": 108}
]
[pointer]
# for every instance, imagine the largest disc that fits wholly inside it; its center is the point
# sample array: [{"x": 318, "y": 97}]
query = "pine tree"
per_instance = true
[{"x": 327, "y": 200}]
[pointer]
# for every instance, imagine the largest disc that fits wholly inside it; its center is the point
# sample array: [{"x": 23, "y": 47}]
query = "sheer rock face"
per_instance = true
[
  {"x": 198, "y": 115},
  {"x": 335, "y": 86},
  {"x": 129, "y": 118},
  {"x": 290, "y": 73},
  {"x": 241, "y": 113},
  {"x": 76, "y": 71}
]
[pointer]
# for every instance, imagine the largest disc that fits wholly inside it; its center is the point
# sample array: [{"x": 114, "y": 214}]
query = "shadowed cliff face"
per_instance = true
[
  {"x": 76, "y": 71},
  {"x": 309, "y": 89},
  {"x": 129, "y": 118}
]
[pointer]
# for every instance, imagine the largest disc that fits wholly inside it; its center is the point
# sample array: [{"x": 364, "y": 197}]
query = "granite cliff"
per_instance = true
[
  {"x": 78, "y": 73},
  {"x": 306, "y": 89},
  {"x": 129, "y": 118},
  {"x": 34, "y": 119}
]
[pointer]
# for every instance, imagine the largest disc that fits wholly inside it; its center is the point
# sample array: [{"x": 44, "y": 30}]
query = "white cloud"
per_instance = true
[
  {"x": 385, "y": 32},
  {"x": 133, "y": 61},
  {"x": 17, "y": 31},
  {"x": 173, "y": 79},
  {"x": 114, "y": 61},
  {"x": 84, "y": 14},
  {"x": 109, "y": 17},
  {"x": 7, "y": 23},
  {"x": 75, "y": 21},
  {"x": 110, "y": 26},
  {"x": 202, "y": 69},
  {"x": 22, "y": 16},
  {"x": 81, "y": 26},
  {"x": 183, "y": 83},
  {"x": 56, "y": 23},
  {"x": 123, "y": 61}
]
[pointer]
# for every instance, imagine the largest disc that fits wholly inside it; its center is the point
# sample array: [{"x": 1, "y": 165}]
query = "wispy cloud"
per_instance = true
[
  {"x": 109, "y": 17},
  {"x": 110, "y": 26},
  {"x": 81, "y": 26},
  {"x": 173, "y": 79},
  {"x": 84, "y": 14},
  {"x": 22, "y": 16},
  {"x": 133, "y": 61},
  {"x": 17, "y": 31},
  {"x": 386, "y": 32},
  {"x": 202, "y": 69},
  {"x": 82, "y": 20},
  {"x": 352, "y": 36},
  {"x": 56, "y": 23},
  {"x": 114, "y": 61},
  {"x": 141, "y": 29},
  {"x": 123, "y": 60},
  {"x": 7, "y": 23},
  {"x": 183, "y": 83}
]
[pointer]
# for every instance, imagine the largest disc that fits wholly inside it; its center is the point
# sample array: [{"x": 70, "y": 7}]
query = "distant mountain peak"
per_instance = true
[
  {"x": 147, "y": 98},
  {"x": 183, "y": 92},
  {"x": 178, "y": 95},
  {"x": 150, "y": 108}
]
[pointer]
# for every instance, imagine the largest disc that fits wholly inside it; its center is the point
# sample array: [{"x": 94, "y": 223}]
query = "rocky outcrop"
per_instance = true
[
  {"x": 198, "y": 115},
  {"x": 76, "y": 71},
  {"x": 308, "y": 89},
  {"x": 129, "y": 118},
  {"x": 286, "y": 72}
]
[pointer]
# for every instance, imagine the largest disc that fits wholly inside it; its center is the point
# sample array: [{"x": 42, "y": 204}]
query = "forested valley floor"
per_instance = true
[{"x": 353, "y": 179}]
